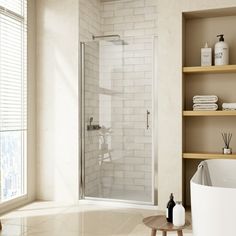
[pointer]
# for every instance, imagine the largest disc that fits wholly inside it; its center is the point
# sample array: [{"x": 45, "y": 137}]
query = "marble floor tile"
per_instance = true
[{"x": 55, "y": 219}]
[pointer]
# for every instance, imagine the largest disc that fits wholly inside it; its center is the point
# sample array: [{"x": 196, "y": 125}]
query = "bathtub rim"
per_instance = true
[{"x": 209, "y": 186}]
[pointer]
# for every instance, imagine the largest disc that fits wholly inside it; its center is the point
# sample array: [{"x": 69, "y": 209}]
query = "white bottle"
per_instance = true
[
  {"x": 221, "y": 52},
  {"x": 178, "y": 215},
  {"x": 206, "y": 56}
]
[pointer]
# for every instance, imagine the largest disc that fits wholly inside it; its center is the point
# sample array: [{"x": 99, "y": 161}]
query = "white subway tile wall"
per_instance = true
[{"x": 118, "y": 89}]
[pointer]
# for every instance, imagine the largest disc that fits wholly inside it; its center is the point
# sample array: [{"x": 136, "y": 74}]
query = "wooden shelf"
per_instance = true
[
  {"x": 210, "y": 69},
  {"x": 208, "y": 156},
  {"x": 209, "y": 113}
]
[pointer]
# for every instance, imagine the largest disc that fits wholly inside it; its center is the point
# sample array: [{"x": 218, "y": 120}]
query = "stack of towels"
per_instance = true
[
  {"x": 229, "y": 106},
  {"x": 205, "y": 103}
]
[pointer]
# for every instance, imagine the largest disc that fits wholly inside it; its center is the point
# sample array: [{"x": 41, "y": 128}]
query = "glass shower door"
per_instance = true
[{"x": 117, "y": 121}]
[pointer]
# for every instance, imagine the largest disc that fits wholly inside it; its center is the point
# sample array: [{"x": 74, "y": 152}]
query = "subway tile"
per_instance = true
[
  {"x": 113, "y": 20},
  {"x": 140, "y": 82},
  {"x": 105, "y": 14},
  {"x": 135, "y": 174},
  {"x": 134, "y": 18},
  {"x": 135, "y": 32},
  {"x": 108, "y": 27},
  {"x": 123, "y": 26},
  {"x": 151, "y": 3},
  {"x": 134, "y": 4},
  {"x": 108, "y": 7},
  {"x": 135, "y": 188},
  {"x": 145, "y": 140},
  {"x": 134, "y": 61},
  {"x": 133, "y": 132},
  {"x": 124, "y": 12},
  {"x": 137, "y": 103},
  {"x": 134, "y": 118},
  {"x": 145, "y": 25}
]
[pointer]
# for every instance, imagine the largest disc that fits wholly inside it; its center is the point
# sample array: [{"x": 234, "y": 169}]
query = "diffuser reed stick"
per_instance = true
[{"x": 227, "y": 138}]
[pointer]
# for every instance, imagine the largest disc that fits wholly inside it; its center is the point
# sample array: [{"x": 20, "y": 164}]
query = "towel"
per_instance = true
[
  {"x": 205, "y": 178},
  {"x": 205, "y": 107},
  {"x": 229, "y": 106},
  {"x": 205, "y": 99}
]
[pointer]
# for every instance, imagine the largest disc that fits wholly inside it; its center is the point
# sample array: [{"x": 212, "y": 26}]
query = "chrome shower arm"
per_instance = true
[{"x": 105, "y": 36}]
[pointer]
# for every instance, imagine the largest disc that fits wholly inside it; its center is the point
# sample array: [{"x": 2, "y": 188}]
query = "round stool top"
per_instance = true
[{"x": 160, "y": 223}]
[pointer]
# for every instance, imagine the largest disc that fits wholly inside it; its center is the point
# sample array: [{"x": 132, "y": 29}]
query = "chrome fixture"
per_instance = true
[
  {"x": 106, "y": 36},
  {"x": 113, "y": 38},
  {"x": 91, "y": 127},
  {"x": 148, "y": 113}
]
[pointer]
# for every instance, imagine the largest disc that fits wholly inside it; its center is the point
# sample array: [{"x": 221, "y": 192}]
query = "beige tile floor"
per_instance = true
[{"x": 53, "y": 219}]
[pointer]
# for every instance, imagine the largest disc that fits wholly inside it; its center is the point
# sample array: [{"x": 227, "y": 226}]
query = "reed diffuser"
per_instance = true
[{"x": 227, "y": 139}]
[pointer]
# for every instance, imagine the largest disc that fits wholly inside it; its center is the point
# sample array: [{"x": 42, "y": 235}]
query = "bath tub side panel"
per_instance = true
[{"x": 213, "y": 210}]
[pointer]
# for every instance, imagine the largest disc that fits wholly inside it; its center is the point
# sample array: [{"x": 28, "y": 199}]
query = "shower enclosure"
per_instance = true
[{"x": 117, "y": 157}]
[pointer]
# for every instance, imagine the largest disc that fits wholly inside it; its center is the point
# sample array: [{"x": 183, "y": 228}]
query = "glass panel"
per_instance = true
[
  {"x": 12, "y": 169},
  {"x": 118, "y": 98},
  {"x": 13, "y": 99}
]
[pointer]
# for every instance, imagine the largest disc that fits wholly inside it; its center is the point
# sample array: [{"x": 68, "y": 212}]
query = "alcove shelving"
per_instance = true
[
  {"x": 210, "y": 69},
  {"x": 208, "y": 156},
  {"x": 202, "y": 129},
  {"x": 209, "y": 113}
]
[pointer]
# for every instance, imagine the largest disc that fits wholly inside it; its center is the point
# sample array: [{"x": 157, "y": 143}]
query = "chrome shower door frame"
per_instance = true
[
  {"x": 82, "y": 134},
  {"x": 82, "y": 122}
]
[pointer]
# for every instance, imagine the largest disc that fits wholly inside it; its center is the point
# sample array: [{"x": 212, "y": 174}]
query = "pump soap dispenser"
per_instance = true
[{"x": 221, "y": 52}]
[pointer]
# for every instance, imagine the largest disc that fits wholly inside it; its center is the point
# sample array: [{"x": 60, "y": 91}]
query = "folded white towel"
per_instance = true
[
  {"x": 229, "y": 109},
  {"x": 205, "y": 107},
  {"x": 229, "y": 106},
  {"x": 205, "y": 99}
]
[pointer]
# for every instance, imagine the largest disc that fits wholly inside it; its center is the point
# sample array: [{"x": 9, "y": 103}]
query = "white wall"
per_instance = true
[
  {"x": 57, "y": 100},
  {"x": 169, "y": 74},
  {"x": 31, "y": 153}
]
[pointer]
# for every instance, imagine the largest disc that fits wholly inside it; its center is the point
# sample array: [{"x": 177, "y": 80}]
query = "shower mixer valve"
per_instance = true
[{"x": 91, "y": 127}]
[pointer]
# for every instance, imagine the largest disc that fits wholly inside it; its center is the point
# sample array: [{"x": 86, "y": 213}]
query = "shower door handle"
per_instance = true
[{"x": 148, "y": 113}]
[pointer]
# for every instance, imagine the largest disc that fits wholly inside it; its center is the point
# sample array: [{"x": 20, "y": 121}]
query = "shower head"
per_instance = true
[
  {"x": 118, "y": 42},
  {"x": 113, "y": 38}
]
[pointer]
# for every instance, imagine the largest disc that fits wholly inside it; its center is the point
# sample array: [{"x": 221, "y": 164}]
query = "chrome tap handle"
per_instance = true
[{"x": 148, "y": 113}]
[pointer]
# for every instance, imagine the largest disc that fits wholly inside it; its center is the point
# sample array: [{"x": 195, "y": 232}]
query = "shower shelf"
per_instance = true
[
  {"x": 209, "y": 113},
  {"x": 210, "y": 69},
  {"x": 208, "y": 156}
]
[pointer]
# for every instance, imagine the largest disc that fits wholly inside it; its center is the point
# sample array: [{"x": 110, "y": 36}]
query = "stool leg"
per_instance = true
[
  {"x": 180, "y": 233},
  {"x": 154, "y": 231},
  {"x": 164, "y": 233}
]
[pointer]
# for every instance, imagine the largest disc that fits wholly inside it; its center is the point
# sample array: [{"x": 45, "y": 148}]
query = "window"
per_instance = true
[{"x": 13, "y": 98}]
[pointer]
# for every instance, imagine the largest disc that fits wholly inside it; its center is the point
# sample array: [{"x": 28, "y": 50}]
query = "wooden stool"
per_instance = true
[{"x": 159, "y": 223}]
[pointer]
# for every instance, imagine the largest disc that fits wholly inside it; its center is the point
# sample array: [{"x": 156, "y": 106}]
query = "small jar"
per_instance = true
[
  {"x": 227, "y": 150},
  {"x": 178, "y": 215}
]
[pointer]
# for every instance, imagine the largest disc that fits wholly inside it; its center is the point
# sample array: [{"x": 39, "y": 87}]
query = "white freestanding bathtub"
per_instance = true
[{"x": 213, "y": 198}]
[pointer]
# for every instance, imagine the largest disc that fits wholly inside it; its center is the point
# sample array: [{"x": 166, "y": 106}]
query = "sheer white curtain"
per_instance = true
[{"x": 13, "y": 98}]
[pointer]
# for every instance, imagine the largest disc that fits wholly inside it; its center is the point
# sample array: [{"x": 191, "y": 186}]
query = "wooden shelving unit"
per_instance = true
[
  {"x": 208, "y": 156},
  {"x": 210, "y": 69},
  {"x": 202, "y": 129},
  {"x": 209, "y": 113}
]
